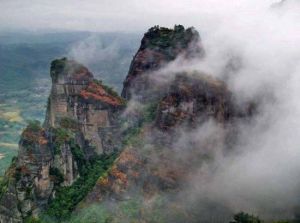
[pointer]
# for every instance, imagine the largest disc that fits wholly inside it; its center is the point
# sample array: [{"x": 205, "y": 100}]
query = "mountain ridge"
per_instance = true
[{"x": 94, "y": 146}]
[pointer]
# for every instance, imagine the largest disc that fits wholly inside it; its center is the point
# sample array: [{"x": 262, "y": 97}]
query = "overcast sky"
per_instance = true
[{"x": 118, "y": 15}]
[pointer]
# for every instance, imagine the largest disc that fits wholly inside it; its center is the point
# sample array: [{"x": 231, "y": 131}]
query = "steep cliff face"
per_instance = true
[
  {"x": 159, "y": 46},
  {"x": 81, "y": 124},
  {"x": 193, "y": 99},
  {"x": 28, "y": 182},
  {"x": 77, "y": 96}
]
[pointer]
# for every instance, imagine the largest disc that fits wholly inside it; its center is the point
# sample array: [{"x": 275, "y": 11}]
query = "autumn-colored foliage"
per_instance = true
[
  {"x": 103, "y": 181},
  {"x": 115, "y": 172},
  {"x": 97, "y": 92},
  {"x": 128, "y": 157}
]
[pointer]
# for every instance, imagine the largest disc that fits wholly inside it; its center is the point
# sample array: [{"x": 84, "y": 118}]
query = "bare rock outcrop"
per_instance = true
[{"x": 81, "y": 114}]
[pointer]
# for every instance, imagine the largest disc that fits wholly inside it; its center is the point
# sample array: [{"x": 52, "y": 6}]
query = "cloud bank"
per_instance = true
[
  {"x": 260, "y": 40},
  {"x": 262, "y": 175}
]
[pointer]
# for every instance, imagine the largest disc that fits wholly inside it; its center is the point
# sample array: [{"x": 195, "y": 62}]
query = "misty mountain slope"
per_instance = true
[
  {"x": 181, "y": 124},
  {"x": 182, "y": 144}
]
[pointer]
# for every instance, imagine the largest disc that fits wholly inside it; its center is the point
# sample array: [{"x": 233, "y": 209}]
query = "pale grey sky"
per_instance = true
[{"x": 118, "y": 15}]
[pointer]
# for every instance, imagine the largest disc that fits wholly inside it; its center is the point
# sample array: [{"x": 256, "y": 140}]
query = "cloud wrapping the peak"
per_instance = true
[{"x": 264, "y": 175}]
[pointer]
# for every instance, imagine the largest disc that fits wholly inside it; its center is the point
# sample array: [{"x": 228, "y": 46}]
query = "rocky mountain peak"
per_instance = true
[
  {"x": 169, "y": 40},
  {"x": 159, "y": 46},
  {"x": 69, "y": 71}
]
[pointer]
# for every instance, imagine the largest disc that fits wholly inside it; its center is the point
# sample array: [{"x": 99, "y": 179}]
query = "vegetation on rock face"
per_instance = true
[
  {"x": 243, "y": 217},
  {"x": 70, "y": 69},
  {"x": 69, "y": 123},
  {"x": 57, "y": 67},
  {"x": 66, "y": 198},
  {"x": 63, "y": 134},
  {"x": 149, "y": 112},
  {"x": 95, "y": 213},
  {"x": 34, "y": 126},
  {"x": 56, "y": 176},
  {"x": 34, "y": 134},
  {"x": 97, "y": 91},
  {"x": 108, "y": 89},
  {"x": 147, "y": 115},
  {"x": 161, "y": 38},
  {"x": 128, "y": 211},
  {"x": 133, "y": 209},
  {"x": 3, "y": 185},
  {"x": 32, "y": 220},
  {"x": 59, "y": 137},
  {"x": 78, "y": 154},
  {"x": 131, "y": 136}
]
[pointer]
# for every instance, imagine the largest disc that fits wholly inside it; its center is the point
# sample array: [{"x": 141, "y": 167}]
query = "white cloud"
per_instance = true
[{"x": 262, "y": 176}]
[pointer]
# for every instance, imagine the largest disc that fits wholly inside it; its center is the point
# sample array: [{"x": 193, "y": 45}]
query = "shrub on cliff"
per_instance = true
[
  {"x": 56, "y": 176},
  {"x": 243, "y": 217},
  {"x": 69, "y": 123},
  {"x": 57, "y": 67},
  {"x": 33, "y": 126},
  {"x": 34, "y": 134}
]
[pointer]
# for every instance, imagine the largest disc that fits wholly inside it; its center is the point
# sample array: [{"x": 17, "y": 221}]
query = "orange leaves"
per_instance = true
[
  {"x": 103, "y": 181},
  {"x": 115, "y": 172},
  {"x": 42, "y": 141},
  {"x": 128, "y": 157},
  {"x": 97, "y": 92}
]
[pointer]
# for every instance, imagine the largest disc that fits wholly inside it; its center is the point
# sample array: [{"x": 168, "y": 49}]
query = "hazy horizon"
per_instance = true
[{"x": 117, "y": 16}]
